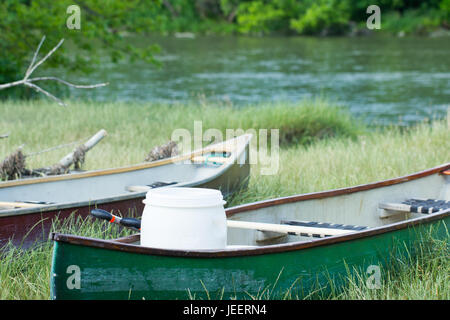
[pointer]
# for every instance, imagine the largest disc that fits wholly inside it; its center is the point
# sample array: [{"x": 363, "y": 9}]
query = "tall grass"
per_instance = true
[
  {"x": 25, "y": 274},
  {"x": 422, "y": 274},
  {"x": 342, "y": 162}
]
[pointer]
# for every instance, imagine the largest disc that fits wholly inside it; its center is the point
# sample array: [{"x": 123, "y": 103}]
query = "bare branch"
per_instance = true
[
  {"x": 27, "y": 73},
  {"x": 43, "y": 59},
  {"x": 79, "y": 86},
  {"x": 33, "y": 66},
  {"x": 48, "y": 94},
  {"x": 11, "y": 84}
]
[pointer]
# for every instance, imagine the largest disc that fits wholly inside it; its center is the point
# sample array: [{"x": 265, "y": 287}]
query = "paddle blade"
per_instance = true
[{"x": 101, "y": 214}]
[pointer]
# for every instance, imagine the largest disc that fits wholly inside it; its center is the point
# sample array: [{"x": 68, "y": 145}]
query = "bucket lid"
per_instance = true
[{"x": 184, "y": 197}]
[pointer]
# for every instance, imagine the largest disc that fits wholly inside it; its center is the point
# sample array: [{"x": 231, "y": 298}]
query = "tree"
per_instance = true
[{"x": 104, "y": 28}]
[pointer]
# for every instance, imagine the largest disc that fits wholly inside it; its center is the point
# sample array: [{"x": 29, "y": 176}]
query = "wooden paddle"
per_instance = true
[{"x": 287, "y": 229}]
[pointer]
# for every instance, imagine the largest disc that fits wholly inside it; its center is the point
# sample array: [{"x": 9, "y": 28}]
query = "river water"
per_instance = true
[{"x": 380, "y": 79}]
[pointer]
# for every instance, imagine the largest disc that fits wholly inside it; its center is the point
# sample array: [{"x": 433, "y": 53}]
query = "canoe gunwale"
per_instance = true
[
  {"x": 222, "y": 169},
  {"x": 123, "y": 244},
  {"x": 336, "y": 192}
]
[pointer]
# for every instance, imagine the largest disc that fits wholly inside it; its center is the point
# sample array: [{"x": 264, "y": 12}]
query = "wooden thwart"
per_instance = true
[
  {"x": 287, "y": 229},
  {"x": 400, "y": 207},
  {"x": 8, "y": 204},
  {"x": 417, "y": 205},
  {"x": 422, "y": 206}
]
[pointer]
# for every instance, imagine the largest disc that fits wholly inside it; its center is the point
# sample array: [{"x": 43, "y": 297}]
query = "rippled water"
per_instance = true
[{"x": 379, "y": 79}]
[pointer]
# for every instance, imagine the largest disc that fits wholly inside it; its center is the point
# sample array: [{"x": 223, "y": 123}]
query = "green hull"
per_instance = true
[{"x": 88, "y": 272}]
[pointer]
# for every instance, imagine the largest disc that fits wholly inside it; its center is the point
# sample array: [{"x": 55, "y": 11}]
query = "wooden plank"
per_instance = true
[
  {"x": 400, "y": 207},
  {"x": 425, "y": 206},
  {"x": 288, "y": 229},
  {"x": 8, "y": 204}
]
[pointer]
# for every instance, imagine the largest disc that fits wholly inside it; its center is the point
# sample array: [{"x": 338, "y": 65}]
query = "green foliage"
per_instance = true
[
  {"x": 329, "y": 16},
  {"x": 263, "y": 17},
  {"x": 104, "y": 24},
  {"x": 412, "y": 21},
  {"x": 444, "y": 7},
  {"x": 256, "y": 16}
]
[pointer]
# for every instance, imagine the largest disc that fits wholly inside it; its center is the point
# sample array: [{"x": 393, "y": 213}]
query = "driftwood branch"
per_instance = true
[
  {"x": 76, "y": 157},
  {"x": 27, "y": 81},
  {"x": 13, "y": 166}
]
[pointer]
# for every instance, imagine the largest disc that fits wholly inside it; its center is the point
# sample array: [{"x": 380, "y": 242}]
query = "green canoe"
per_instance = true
[{"x": 294, "y": 244}]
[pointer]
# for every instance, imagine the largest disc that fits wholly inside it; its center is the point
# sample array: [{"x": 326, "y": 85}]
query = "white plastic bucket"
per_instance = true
[{"x": 184, "y": 218}]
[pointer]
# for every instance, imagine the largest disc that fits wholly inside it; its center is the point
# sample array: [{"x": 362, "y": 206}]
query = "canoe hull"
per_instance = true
[
  {"x": 27, "y": 229},
  {"x": 80, "y": 271}
]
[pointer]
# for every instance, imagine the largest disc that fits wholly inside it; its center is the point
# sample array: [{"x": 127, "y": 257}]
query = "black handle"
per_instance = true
[
  {"x": 101, "y": 214},
  {"x": 126, "y": 222},
  {"x": 131, "y": 223}
]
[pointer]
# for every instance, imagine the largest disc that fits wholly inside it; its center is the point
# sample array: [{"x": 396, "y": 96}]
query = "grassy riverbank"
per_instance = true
[
  {"x": 134, "y": 129},
  {"x": 322, "y": 147}
]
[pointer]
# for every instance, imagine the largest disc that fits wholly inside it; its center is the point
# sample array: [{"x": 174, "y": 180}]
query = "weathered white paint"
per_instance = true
[{"x": 358, "y": 208}]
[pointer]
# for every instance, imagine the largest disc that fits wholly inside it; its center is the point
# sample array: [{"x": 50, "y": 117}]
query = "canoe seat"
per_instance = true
[
  {"x": 324, "y": 225},
  {"x": 423, "y": 206},
  {"x": 157, "y": 184}
]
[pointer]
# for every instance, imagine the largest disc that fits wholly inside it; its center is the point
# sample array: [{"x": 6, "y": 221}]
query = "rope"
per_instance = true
[{"x": 56, "y": 147}]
